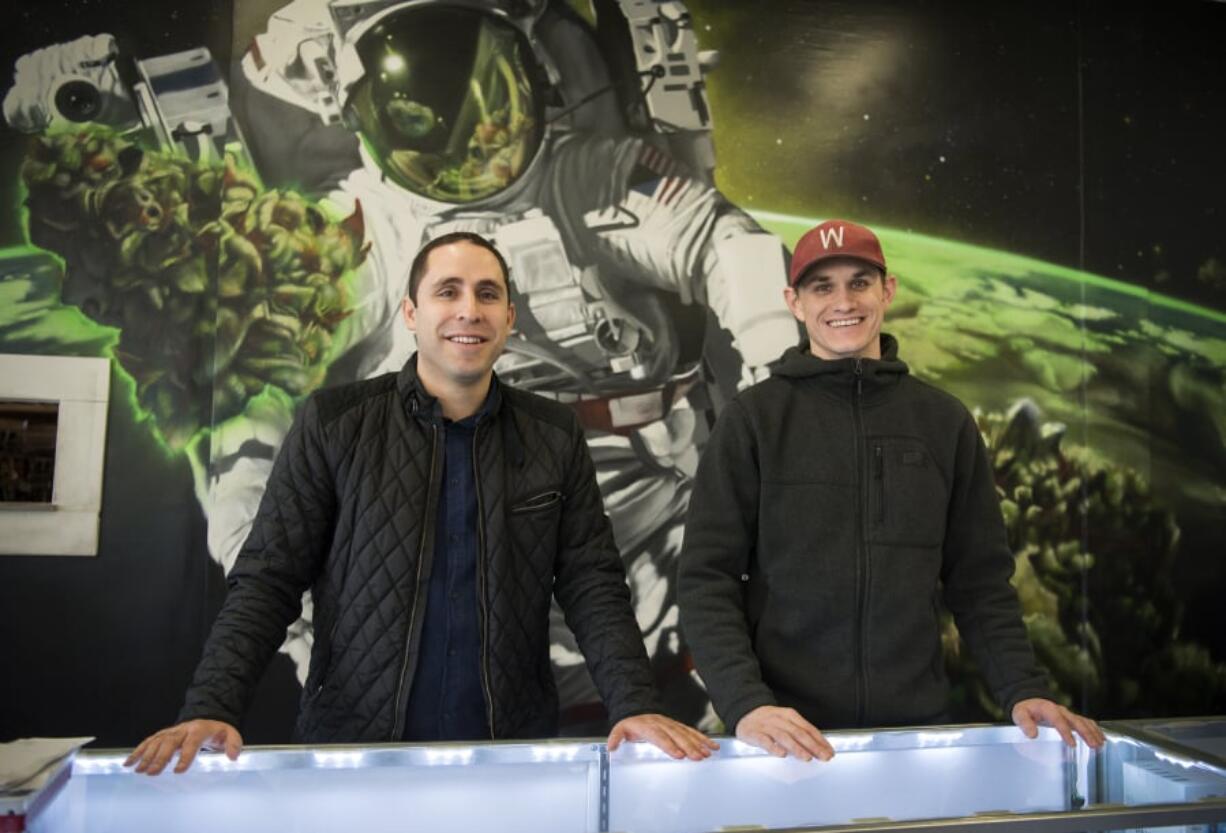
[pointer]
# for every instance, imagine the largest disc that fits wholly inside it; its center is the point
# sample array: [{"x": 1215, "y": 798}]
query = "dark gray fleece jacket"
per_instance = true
[{"x": 835, "y": 504}]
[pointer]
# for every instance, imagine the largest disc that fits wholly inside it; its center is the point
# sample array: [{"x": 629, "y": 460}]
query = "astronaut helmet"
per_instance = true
[{"x": 448, "y": 98}]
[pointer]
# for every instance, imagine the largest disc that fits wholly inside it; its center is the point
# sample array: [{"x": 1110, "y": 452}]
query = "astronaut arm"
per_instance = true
[
  {"x": 745, "y": 277},
  {"x": 290, "y": 60},
  {"x": 677, "y": 234}
]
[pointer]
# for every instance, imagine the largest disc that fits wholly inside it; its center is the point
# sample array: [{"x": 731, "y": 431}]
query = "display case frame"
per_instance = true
[{"x": 639, "y": 790}]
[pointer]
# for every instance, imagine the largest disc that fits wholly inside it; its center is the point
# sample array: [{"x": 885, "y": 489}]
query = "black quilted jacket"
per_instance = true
[{"x": 348, "y": 512}]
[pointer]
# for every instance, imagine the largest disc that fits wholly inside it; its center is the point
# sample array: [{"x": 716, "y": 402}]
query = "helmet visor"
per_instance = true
[{"x": 447, "y": 105}]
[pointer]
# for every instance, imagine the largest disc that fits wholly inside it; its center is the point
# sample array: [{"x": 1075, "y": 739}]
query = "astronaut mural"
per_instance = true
[
  {"x": 238, "y": 239},
  {"x": 504, "y": 119}
]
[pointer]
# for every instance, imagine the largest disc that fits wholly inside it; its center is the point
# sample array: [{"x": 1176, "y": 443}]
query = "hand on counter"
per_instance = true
[
  {"x": 783, "y": 732},
  {"x": 187, "y": 739},
  {"x": 1029, "y": 714},
  {"x": 674, "y": 739}
]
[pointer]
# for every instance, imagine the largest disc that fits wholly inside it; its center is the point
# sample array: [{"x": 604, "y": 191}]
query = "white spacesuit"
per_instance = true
[{"x": 500, "y": 118}]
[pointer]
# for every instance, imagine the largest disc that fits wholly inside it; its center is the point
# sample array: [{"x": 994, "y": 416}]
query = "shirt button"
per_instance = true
[
  {"x": 455, "y": 539},
  {"x": 455, "y": 482},
  {"x": 451, "y": 652},
  {"x": 455, "y": 596}
]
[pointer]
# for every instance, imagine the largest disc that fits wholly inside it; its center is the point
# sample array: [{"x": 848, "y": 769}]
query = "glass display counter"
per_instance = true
[
  {"x": 958, "y": 778},
  {"x": 1203, "y": 737},
  {"x": 541, "y": 787}
]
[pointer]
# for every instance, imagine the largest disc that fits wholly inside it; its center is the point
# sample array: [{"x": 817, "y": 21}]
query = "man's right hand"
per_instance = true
[
  {"x": 187, "y": 739},
  {"x": 783, "y": 732}
]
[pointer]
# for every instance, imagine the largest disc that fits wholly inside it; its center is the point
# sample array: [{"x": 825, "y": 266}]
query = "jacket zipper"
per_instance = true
[
  {"x": 879, "y": 481},
  {"x": 398, "y": 721},
  {"x": 481, "y": 591},
  {"x": 862, "y": 567}
]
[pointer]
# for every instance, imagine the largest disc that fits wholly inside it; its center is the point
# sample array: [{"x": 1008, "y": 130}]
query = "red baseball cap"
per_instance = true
[{"x": 834, "y": 238}]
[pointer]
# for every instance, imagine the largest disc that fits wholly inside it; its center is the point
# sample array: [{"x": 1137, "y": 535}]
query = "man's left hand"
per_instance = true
[
  {"x": 674, "y": 739},
  {"x": 1030, "y": 714}
]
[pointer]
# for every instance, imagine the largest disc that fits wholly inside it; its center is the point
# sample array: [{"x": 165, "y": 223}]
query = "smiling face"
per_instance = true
[
  {"x": 462, "y": 317},
  {"x": 842, "y": 303}
]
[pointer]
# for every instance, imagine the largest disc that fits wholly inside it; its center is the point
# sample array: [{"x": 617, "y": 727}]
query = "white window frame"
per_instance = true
[{"x": 81, "y": 388}]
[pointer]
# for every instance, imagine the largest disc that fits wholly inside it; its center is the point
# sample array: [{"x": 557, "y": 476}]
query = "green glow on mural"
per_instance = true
[
  {"x": 34, "y": 321},
  {"x": 214, "y": 286},
  {"x": 915, "y": 257}
]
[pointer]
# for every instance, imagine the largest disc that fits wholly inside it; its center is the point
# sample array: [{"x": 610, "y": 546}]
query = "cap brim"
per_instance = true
[{"x": 840, "y": 256}]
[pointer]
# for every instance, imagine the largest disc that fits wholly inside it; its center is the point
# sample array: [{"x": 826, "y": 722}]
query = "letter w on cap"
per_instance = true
[{"x": 831, "y": 234}]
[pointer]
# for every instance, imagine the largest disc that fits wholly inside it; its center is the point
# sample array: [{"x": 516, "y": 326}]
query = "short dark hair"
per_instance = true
[{"x": 418, "y": 270}]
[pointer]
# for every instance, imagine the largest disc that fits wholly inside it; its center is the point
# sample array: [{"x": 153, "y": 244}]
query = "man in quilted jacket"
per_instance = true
[
  {"x": 836, "y": 503},
  {"x": 433, "y": 513}
]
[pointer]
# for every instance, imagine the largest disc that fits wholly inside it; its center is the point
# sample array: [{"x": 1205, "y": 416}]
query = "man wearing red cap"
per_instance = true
[{"x": 836, "y": 502}]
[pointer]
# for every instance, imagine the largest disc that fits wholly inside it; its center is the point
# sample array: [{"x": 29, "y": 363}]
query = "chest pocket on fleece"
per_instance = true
[{"x": 907, "y": 493}]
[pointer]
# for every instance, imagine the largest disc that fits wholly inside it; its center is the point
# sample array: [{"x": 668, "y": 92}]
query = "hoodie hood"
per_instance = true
[{"x": 798, "y": 363}]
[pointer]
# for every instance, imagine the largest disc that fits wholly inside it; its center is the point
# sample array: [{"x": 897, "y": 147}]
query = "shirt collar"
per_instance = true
[{"x": 425, "y": 405}]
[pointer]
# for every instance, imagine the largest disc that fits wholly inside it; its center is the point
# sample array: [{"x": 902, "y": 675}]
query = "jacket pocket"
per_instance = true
[
  {"x": 538, "y": 503},
  {"x": 321, "y": 665},
  {"x": 908, "y": 496},
  {"x": 533, "y": 529}
]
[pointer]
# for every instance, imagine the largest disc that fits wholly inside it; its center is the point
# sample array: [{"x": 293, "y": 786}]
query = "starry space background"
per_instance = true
[{"x": 1085, "y": 134}]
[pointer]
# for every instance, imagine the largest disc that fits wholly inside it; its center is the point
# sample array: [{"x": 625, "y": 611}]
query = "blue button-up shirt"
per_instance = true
[{"x": 447, "y": 700}]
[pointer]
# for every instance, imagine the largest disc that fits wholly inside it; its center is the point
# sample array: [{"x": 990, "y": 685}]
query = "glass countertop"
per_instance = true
[{"x": 957, "y": 777}]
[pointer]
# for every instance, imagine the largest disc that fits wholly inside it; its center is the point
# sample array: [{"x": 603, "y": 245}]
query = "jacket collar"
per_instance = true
[
  {"x": 799, "y": 363},
  {"x": 425, "y": 406}
]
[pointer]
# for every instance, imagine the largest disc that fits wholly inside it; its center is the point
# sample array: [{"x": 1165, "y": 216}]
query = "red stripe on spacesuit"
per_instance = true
[
  {"x": 655, "y": 161},
  {"x": 676, "y": 187},
  {"x": 661, "y": 186}
]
